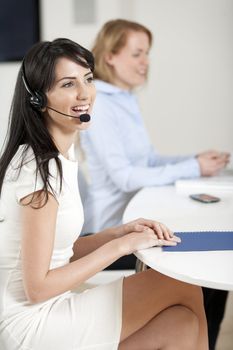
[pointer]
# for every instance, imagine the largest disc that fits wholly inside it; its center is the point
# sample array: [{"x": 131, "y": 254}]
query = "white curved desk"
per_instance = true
[{"x": 213, "y": 269}]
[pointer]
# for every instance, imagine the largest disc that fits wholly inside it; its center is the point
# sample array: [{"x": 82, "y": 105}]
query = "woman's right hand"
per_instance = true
[
  {"x": 146, "y": 238},
  {"x": 211, "y": 162}
]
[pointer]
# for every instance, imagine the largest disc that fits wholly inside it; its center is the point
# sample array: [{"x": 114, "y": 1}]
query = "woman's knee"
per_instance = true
[
  {"x": 194, "y": 295},
  {"x": 187, "y": 328}
]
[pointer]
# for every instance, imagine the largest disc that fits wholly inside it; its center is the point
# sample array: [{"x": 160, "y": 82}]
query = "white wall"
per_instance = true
[{"x": 187, "y": 102}]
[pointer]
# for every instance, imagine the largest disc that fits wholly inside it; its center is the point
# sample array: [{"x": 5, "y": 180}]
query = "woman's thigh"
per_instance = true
[
  {"x": 174, "y": 328},
  {"x": 147, "y": 293}
]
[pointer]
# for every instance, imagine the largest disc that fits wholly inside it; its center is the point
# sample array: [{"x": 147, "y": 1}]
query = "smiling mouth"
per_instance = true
[
  {"x": 142, "y": 73},
  {"x": 79, "y": 110}
]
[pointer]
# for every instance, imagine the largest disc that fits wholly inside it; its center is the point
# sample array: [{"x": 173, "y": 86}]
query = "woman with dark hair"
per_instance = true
[{"x": 42, "y": 257}]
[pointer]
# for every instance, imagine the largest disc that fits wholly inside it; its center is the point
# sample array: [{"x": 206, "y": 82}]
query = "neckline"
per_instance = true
[{"x": 71, "y": 155}]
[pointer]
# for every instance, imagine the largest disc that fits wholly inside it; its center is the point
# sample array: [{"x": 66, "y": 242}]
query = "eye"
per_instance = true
[
  {"x": 90, "y": 80},
  {"x": 136, "y": 55},
  {"x": 68, "y": 84}
]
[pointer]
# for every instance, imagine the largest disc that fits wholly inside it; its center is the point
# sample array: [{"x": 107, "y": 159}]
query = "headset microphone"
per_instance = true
[{"x": 83, "y": 117}]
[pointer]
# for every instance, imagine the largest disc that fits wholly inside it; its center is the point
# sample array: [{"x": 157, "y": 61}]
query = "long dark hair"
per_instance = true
[{"x": 26, "y": 124}]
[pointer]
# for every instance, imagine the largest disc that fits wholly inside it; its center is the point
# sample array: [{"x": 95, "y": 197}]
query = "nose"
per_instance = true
[
  {"x": 145, "y": 60},
  {"x": 82, "y": 92}
]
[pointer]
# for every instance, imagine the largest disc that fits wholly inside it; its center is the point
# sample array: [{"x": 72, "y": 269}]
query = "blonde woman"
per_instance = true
[{"x": 120, "y": 157}]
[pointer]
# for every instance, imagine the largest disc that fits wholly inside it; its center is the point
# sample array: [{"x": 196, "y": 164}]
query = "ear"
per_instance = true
[{"x": 109, "y": 58}]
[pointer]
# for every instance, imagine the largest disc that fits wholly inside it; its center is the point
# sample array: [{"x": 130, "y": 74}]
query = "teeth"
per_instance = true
[{"x": 81, "y": 108}]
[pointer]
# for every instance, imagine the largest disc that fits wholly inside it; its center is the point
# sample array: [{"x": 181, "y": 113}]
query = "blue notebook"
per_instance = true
[{"x": 202, "y": 241}]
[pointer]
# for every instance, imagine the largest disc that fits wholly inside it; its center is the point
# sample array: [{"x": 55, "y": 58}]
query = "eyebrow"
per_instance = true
[
  {"x": 141, "y": 50},
  {"x": 73, "y": 78}
]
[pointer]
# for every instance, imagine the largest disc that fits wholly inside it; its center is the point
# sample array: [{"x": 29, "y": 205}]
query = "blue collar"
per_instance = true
[{"x": 103, "y": 86}]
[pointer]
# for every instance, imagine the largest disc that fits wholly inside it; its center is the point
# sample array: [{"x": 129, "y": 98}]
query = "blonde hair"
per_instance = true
[{"x": 111, "y": 39}]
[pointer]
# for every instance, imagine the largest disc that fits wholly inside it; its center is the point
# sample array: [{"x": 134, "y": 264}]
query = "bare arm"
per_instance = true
[
  {"x": 86, "y": 244},
  {"x": 38, "y": 234},
  {"x": 41, "y": 282}
]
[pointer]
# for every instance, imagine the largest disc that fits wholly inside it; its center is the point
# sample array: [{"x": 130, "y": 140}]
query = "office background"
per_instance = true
[{"x": 187, "y": 102}]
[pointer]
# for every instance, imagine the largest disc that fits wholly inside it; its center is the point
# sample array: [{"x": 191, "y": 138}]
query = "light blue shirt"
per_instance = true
[{"x": 121, "y": 159}]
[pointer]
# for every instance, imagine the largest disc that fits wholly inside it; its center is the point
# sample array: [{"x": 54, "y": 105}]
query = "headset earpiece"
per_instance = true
[{"x": 37, "y": 99}]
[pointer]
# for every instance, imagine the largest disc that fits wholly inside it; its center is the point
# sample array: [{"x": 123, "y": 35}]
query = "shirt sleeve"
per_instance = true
[
  {"x": 106, "y": 145},
  {"x": 29, "y": 181},
  {"x": 156, "y": 159}
]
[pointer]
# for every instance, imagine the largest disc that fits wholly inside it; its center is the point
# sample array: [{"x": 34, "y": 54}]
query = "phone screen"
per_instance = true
[{"x": 204, "y": 198}]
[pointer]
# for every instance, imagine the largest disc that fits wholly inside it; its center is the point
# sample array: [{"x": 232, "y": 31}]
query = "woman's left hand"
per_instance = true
[{"x": 141, "y": 224}]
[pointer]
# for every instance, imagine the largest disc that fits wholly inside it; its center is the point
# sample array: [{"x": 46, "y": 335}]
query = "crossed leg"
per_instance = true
[{"x": 162, "y": 313}]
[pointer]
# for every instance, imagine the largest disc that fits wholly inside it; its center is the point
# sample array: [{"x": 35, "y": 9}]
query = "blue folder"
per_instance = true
[{"x": 202, "y": 241}]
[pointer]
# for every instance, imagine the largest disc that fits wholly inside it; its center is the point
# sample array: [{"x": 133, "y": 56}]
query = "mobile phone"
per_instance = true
[{"x": 204, "y": 198}]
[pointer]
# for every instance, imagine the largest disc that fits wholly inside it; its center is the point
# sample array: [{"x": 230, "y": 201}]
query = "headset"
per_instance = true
[{"x": 37, "y": 99}]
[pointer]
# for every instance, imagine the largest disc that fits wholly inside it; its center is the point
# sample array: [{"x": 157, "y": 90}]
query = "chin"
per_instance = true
[
  {"x": 83, "y": 126},
  {"x": 142, "y": 81}
]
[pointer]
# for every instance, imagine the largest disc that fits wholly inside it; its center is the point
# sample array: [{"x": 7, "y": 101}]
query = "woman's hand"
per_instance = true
[
  {"x": 144, "y": 233},
  {"x": 211, "y": 162}
]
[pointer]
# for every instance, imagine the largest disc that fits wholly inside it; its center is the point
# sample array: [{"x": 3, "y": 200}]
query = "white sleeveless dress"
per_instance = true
[{"x": 71, "y": 321}]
